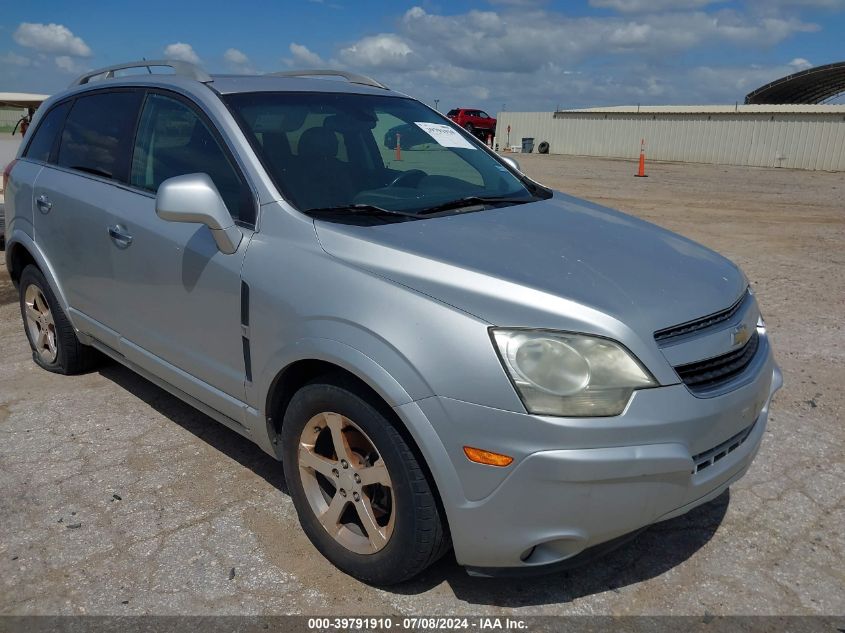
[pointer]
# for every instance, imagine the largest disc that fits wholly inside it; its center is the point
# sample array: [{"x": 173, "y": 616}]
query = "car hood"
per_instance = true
[{"x": 559, "y": 263}]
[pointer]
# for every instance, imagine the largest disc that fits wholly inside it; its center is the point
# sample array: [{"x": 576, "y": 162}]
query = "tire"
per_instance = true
[
  {"x": 543, "y": 148},
  {"x": 59, "y": 350},
  {"x": 409, "y": 537},
  {"x": 469, "y": 128}
]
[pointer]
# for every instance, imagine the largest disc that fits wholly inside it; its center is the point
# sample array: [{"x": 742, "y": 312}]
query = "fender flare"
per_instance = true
[
  {"x": 19, "y": 238},
  {"x": 337, "y": 353}
]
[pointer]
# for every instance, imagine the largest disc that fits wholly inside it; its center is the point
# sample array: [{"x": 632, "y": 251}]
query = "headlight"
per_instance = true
[{"x": 571, "y": 375}]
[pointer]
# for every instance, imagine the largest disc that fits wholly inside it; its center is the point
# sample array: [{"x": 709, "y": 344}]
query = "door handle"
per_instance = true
[
  {"x": 120, "y": 236},
  {"x": 43, "y": 203}
]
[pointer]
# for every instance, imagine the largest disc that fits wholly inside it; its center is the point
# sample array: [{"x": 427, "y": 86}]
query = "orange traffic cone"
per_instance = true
[
  {"x": 641, "y": 173},
  {"x": 398, "y": 147}
]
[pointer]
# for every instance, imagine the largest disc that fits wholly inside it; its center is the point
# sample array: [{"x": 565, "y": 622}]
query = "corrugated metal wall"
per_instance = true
[
  {"x": 10, "y": 116},
  {"x": 794, "y": 140}
]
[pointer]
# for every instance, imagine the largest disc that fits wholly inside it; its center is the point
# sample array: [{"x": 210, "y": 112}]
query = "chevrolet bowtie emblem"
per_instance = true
[{"x": 740, "y": 335}]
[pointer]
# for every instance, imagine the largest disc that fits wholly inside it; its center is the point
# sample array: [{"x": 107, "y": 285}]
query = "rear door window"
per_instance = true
[
  {"x": 97, "y": 135},
  {"x": 173, "y": 140},
  {"x": 44, "y": 142}
]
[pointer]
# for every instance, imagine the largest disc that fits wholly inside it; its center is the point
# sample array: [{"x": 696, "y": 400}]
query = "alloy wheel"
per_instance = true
[
  {"x": 346, "y": 482},
  {"x": 40, "y": 323}
]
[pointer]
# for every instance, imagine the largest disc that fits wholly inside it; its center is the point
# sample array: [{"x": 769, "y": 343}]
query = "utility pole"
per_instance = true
[{"x": 436, "y": 101}]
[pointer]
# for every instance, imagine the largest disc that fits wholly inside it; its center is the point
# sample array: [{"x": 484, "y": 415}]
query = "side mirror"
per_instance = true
[
  {"x": 193, "y": 198},
  {"x": 512, "y": 162}
]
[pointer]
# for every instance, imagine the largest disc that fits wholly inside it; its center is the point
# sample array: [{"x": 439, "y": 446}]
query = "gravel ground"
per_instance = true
[{"x": 116, "y": 498}]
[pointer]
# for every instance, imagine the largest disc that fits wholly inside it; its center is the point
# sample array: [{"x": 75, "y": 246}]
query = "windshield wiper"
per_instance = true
[
  {"x": 474, "y": 200},
  {"x": 359, "y": 209}
]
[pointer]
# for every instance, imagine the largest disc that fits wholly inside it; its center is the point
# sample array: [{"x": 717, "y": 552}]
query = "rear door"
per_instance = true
[
  {"x": 82, "y": 180},
  {"x": 178, "y": 298}
]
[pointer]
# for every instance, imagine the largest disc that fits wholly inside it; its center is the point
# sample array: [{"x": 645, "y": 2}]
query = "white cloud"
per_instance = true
[
  {"x": 726, "y": 81},
  {"x": 539, "y": 58},
  {"x": 302, "y": 56},
  {"x": 238, "y": 61},
  {"x": 799, "y": 63},
  {"x": 51, "y": 38},
  {"x": 13, "y": 59},
  {"x": 529, "y": 41},
  {"x": 234, "y": 56},
  {"x": 806, "y": 4},
  {"x": 385, "y": 50},
  {"x": 182, "y": 52},
  {"x": 69, "y": 65},
  {"x": 519, "y": 3},
  {"x": 651, "y": 6}
]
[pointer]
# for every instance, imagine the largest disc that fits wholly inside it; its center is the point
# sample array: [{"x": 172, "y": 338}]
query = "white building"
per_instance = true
[{"x": 790, "y": 136}]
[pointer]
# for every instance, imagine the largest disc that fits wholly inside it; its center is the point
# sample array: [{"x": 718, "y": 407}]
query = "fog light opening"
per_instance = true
[{"x": 527, "y": 553}]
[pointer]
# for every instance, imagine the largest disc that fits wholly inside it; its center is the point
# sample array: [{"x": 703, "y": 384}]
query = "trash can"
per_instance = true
[{"x": 527, "y": 145}]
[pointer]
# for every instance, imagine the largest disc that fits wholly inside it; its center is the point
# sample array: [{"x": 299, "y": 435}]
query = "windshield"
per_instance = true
[{"x": 393, "y": 155}]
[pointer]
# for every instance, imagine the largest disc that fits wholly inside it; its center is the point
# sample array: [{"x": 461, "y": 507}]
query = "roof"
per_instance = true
[
  {"x": 182, "y": 72},
  {"x": 229, "y": 84},
  {"x": 813, "y": 85},
  {"x": 712, "y": 109},
  {"x": 21, "y": 99}
]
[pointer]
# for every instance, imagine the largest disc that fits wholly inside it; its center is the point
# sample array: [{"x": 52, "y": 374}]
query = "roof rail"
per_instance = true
[
  {"x": 353, "y": 78},
  {"x": 179, "y": 68}
]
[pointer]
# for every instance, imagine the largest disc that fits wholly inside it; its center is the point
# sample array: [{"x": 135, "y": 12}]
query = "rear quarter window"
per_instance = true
[
  {"x": 97, "y": 135},
  {"x": 44, "y": 140}
]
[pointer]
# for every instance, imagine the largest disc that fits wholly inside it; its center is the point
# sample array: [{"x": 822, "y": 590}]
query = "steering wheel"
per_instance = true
[{"x": 410, "y": 178}]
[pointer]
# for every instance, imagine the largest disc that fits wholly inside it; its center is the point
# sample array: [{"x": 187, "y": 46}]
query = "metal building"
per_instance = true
[
  {"x": 814, "y": 85},
  {"x": 790, "y": 136}
]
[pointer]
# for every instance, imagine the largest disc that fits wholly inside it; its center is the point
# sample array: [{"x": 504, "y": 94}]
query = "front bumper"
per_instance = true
[{"x": 551, "y": 505}]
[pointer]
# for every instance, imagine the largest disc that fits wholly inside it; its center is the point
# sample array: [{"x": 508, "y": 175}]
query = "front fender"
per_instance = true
[
  {"x": 382, "y": 382},
  {"x": 331, "y": 351}
]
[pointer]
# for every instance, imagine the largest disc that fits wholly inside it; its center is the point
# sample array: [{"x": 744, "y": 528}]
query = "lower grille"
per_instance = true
[
  {"x": 715, "y": 372},
  {"x": 710, "y": 457}
]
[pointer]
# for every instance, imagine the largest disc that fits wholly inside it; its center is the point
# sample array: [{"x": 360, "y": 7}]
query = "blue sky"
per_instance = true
[{"x": 516, "y": 54}]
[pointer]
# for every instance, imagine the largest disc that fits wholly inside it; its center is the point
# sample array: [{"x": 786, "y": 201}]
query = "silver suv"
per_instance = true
[{"x": 442, "y": 352}]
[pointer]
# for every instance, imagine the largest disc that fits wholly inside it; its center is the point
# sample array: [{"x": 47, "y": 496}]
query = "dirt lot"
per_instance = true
[{"x": 116, "y": 498}]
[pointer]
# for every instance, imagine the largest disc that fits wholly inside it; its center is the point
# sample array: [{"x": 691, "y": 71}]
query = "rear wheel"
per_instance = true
[
  {"x": 51, "y": 336},
  {"x": 470, "y": 128},
  {"x": 361, "y": 496}
]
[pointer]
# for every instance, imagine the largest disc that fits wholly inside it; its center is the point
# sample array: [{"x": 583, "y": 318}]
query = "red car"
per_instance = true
[{"x": 473, "y": 121}]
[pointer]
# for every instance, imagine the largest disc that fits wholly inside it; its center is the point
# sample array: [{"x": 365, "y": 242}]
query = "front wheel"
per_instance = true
[{"x": 362, "y": 498}]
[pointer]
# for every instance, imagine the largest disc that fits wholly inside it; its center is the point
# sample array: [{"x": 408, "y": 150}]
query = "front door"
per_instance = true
[{"x": 179, "y": 296}]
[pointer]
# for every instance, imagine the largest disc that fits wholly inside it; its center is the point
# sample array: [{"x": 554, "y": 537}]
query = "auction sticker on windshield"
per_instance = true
[{"x": 444, "y": 135}]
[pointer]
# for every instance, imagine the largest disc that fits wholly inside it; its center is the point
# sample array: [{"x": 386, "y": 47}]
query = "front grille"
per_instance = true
[
  {"x": 690, "y": 327},
  {"x": 710, "y": 457},
  {"x": 712, "y": 373}
]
